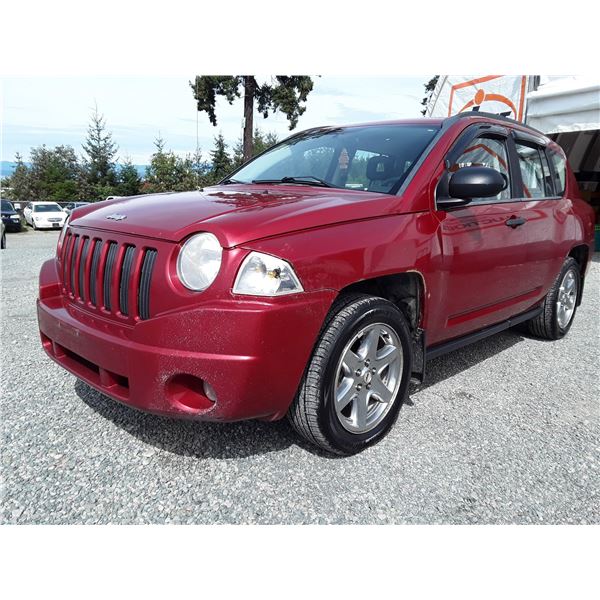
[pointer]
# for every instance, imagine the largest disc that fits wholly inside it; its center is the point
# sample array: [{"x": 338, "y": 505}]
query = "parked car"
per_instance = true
[
  {"x": 10, "y": 217},
  {"x": 287, "y": 290},
  {"x": 2, "y": 235},
  {"x": 68, "y": 208},
  {"x": 44, "y": 215}
]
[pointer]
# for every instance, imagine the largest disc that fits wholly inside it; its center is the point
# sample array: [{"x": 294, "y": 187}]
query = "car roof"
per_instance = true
[{"x": 440, "y": 122}]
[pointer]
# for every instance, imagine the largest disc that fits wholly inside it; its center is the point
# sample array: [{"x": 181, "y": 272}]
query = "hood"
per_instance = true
[
  {"x": 236, "y": 214},
  {"x": 8, "y": 213}
]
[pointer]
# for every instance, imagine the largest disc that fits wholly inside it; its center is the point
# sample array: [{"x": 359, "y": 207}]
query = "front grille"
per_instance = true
[{"x": 106, "y": 275}]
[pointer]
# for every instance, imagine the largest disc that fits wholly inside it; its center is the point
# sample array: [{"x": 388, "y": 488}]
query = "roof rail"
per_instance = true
[{"x": 497, "y": 117}]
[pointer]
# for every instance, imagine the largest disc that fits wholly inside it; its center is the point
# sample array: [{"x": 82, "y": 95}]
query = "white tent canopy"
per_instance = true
[{"x": 562, "y": 104}]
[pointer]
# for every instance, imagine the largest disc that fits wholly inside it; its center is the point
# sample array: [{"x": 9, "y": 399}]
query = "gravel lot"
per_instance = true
[{"x": 505, "y": 431}]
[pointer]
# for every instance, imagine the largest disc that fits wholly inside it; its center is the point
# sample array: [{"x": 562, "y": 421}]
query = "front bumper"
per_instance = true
[
  {"x": 49, "y": 225},
  {"x": 251, "y": 352},
  {"x": 12, "y": 224}
]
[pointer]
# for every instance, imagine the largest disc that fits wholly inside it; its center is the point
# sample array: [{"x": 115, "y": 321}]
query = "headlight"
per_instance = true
[
  {"x": 266, "y": 275},
  {"x": 199, "y": 261}
]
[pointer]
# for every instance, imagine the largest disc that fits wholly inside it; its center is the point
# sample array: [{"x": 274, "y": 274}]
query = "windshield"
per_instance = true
[
  {"x": 46, "y": 208},
  {"x": 6, "y": 205},
  {"x": 375, "y": 158}
]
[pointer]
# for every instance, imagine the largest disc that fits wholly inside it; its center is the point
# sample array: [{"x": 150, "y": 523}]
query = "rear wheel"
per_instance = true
[
  {"x": 357, "y": 377},
  {"x": 560, "y": 304}
]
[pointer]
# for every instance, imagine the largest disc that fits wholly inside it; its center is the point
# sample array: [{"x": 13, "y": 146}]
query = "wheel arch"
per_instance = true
[
  {"x": 581, "y": 255},
  {"x": 406, "y": 290}
]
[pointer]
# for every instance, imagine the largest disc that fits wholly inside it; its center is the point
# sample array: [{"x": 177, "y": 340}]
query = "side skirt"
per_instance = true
[{"x": 470, "y": 338}]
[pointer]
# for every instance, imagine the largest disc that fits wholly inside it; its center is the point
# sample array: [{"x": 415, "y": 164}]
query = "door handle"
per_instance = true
[{"x": 515, "y": 222}]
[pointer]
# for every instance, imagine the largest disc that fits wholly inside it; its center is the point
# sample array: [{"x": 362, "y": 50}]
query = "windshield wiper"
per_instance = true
[
  {"x": 300, "y": 179},
  {"x": 230, "y": 180}
]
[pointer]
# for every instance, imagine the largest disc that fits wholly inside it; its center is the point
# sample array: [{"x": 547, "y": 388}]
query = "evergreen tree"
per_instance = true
[
  {"x": 192, "y": 172},
  {"x": 161, "y": 173},
  {"x": 286, "y": 93},
  {"x": 129, "y": 181},
  {"x": 168, "y": 172},
  {"x": 20, "y": 182},
  {"x": 99, "y": 174},
  {"x": 221, "y": 161},
  {"x": 54, "y": 173},
  {"x": 429, "y": 88}
]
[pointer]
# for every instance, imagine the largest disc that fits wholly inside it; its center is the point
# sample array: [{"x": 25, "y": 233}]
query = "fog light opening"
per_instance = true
[
  {"x": 209, "y": 390},
  {"x": 190, "y": 392}
]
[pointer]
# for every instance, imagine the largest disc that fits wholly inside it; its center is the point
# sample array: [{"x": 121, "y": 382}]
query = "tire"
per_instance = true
[
  {"x": 3, "y": 241},
  {"x": 353, "y": 426},
  {"x": 549, "y": 324}
]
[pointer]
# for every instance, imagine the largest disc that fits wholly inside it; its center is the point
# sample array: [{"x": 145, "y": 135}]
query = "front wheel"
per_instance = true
[
  {"x": 357, "y": 377},
  {"x": 560, "y": 304}
]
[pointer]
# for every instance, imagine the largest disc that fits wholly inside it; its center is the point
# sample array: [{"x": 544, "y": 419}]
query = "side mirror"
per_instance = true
[{"x": 476, "y": 182}]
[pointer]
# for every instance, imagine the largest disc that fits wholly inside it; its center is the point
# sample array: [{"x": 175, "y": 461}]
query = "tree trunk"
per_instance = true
[{"x": 249, "y": 89}]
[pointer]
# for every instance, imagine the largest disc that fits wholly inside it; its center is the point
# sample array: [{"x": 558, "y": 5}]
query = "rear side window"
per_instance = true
[
  {"x": 535, "y": 184},
  {"x": 559, "y": 167},
  {"x": 486, "y": 152}
]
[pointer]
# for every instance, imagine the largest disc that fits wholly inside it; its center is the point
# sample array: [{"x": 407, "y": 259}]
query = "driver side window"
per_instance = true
[{"x": 486, "y": 152}]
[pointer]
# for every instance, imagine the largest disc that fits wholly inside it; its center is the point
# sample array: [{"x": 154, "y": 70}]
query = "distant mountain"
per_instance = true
[{"x": 7, "y": 167}]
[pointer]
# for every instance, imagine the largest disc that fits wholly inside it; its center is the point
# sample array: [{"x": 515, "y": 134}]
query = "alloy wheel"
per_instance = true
[
  {"x": 368, "y": 377},
  {"x": 566, "y": 299}
]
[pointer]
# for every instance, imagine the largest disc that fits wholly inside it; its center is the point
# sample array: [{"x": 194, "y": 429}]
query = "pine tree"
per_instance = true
[
  {"x": 221, "y": 161},
  {"x": 130, "y": 182},
  {"x": 54, "y": 173},
  {"x": 20, "y": 182},
  {"x": 99, "y": 174},
  {"x": 161, "y": 173}
]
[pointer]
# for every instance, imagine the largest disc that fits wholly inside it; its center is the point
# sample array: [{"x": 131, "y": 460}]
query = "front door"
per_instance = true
[{"x": 484, "y": 248}]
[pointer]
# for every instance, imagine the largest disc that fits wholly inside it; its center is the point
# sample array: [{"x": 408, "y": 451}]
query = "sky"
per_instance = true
[{"x": 56, "y": 111}]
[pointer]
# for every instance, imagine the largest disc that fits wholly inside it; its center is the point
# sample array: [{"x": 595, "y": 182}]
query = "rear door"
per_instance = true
[
  {"x": 544, "y": 207},
  {"x": 484, "y": 243}
]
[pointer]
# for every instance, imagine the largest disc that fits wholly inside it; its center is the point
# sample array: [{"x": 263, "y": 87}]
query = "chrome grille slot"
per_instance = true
[
  {"x": 82, "y": 261},
  {"x": 65, "y": 259},
  {"x": 73, "y": 259},
  {"x": 145, "y": 280},
  {"x": 108, "y": 272},
  {"x": 125, "y": 279},
  {"x": 94, "y": 271}
]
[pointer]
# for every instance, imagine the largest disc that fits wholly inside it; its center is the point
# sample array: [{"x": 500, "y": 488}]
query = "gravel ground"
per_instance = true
[{"x": 505, "y": 431}]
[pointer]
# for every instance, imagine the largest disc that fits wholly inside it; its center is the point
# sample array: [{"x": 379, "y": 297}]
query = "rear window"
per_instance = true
[
  {"x": 559, "y": 167},
  {"x": 532, "y": 172}
]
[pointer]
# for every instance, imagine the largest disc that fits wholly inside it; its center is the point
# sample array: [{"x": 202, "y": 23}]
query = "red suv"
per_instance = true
[{"x": 320, "y": 277}]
